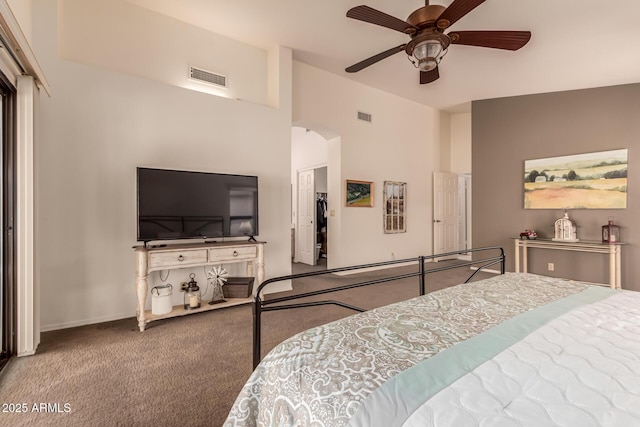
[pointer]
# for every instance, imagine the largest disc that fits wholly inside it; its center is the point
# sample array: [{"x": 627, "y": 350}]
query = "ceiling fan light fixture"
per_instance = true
[
  {"x": 427, "y": 50},
  {"x": 427, "y": 55}
]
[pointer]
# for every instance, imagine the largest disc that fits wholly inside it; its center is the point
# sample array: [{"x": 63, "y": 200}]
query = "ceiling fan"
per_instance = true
[{"x": 428, "y": 43}]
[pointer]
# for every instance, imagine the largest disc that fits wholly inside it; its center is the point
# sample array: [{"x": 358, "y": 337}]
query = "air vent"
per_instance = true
[
  {"x": 207, "y": 77},
  {"x": 364, "y": 116}
]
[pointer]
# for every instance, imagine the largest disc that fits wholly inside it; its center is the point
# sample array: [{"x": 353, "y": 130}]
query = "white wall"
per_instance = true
[
  {"x": 21, "y": 10},
  {"x": 119, "y": 36},
  {"x": 98, "y": 126},
  {"x": 401, "y": 144},
  {"x": 461, "y": 143},
  {"x": 321, "y": 180},
  {"x": 308, "y": 150},
  {"x": 107, "y": 117},
  {"x": 445, "y": 142}
]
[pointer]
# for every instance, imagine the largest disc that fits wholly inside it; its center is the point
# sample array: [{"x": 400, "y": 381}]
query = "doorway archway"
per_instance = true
[{"x": 315, "y": 159}]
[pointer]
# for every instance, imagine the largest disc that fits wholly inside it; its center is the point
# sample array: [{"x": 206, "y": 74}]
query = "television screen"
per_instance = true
[{"x": 182, "y": 204}]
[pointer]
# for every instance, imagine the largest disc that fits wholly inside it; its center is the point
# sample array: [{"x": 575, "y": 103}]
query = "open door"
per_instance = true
[
  {"x": 445, "y": 212},
  {"x": 306, "y": 228}
]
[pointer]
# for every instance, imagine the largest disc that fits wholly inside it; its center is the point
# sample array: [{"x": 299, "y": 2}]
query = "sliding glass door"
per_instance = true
[{"x": 7, "y": 215}]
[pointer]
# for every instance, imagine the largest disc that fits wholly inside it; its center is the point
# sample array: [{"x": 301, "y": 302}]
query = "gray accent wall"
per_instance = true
[{"x": 508, "y": 131}]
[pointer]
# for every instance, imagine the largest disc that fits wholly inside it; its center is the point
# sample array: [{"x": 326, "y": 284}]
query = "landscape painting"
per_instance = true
[
  {"x": 580, "y": 181},
  {"x": 359, "y": 193}
]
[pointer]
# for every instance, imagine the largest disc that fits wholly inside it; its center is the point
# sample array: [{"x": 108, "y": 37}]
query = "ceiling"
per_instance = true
[{"x": 575, "y": 44}]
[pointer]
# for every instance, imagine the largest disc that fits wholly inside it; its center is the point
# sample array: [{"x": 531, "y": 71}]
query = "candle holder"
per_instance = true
[
  {"x": 192, "y": 294},
  {"x": 610, "y": 232}
]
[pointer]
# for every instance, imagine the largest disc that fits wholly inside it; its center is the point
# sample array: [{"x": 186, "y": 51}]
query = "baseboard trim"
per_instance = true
[
  {"x": 488, "y": 270},
  {"x": 369, "y": 269},
  {"x": 74, "y": 324},
  {"x": 285, "y": 285},
  {"x": 276, "y": 287},
  {"x": 404, "y": 264}
]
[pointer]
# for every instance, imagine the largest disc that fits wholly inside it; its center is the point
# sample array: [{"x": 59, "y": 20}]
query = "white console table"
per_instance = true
[
  {"x": 169, "y": 257},
  {"x": 612, "y": 249}
]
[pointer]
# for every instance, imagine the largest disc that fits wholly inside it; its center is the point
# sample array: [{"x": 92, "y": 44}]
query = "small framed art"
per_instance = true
[{"x": 358, "y": 193}]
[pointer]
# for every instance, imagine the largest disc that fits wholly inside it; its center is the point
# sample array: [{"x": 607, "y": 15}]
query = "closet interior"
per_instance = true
[{"x": 321, "y": 225}]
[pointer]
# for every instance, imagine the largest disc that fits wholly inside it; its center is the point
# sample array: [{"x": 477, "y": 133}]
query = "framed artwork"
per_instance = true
[
  {"x": 359, "y": 193},
  {"x": 579, "y": 181},
  {"x": 394, "y": 198}
]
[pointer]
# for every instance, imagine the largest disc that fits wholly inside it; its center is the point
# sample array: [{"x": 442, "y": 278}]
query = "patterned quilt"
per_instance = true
[{"x": 321, "y": 377}]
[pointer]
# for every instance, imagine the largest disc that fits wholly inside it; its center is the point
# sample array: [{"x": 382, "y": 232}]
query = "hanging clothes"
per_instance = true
[
  {"x": 321, "y": 212},
  {"x": 321, "y": 223}
]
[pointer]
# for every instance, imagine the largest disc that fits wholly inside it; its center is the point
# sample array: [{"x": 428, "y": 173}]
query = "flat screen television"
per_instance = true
[{"x": 174, "y": 204}]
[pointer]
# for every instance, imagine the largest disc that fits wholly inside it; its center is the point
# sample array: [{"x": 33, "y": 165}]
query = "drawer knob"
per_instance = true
[
  {"x": 180, "y": 258},
  {"x": 235, "y": 253}
]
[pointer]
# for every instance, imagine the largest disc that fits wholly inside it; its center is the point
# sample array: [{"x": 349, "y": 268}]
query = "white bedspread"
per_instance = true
[
  {"x": 579, "y": 369},
  {"x": 324, "y": 376}
]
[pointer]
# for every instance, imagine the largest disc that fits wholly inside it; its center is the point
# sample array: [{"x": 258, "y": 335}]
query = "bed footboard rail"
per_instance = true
[{"x": 261, "y": 305}]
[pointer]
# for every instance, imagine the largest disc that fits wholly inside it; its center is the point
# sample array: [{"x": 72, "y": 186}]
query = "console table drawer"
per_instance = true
[
  {"x": 177, "y": 258},
  {"x": 232, "y": 254}
]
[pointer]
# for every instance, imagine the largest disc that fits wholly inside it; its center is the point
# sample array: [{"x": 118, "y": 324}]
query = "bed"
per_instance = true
[{"x": 512, "y": 350}]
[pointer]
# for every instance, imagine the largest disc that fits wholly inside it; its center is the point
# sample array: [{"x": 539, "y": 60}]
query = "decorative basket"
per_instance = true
[{"x": 238, "y": 287}]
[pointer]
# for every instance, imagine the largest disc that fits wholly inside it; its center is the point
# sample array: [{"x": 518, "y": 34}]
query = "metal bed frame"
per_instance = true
[{"x": 260, "y": 305}]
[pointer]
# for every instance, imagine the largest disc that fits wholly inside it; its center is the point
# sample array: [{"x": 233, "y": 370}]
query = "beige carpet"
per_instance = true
[{"x": 180, "y": 372}]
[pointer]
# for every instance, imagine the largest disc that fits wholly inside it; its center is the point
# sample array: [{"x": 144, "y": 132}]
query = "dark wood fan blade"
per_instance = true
[
  {"x": 455, "y": 11},
  {"x": 509, "y": 40},
  {"x": 375, "y": 58},
  {"x": 373, "y": 16},
  {"x": 429, "y": 76}
]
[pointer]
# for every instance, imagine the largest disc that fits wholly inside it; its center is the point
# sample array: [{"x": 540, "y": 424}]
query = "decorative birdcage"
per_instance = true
[{"x": 565, "y": 230}]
